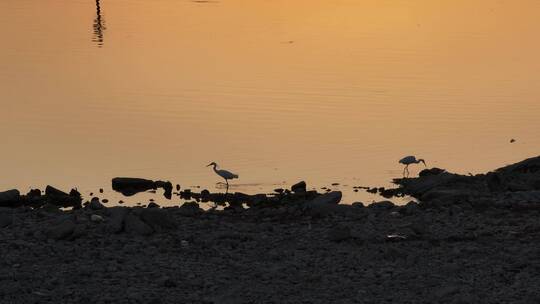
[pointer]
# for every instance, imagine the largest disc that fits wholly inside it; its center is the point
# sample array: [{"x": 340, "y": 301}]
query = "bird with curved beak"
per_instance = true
[
  {"x": 226, "y": 175},
  {"x": 408, "y": 160}
]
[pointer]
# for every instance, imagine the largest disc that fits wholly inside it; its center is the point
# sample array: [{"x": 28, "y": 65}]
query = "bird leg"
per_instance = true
[
  {"x": 227, "y": 189},
  {"x": 407, "y": 170}
]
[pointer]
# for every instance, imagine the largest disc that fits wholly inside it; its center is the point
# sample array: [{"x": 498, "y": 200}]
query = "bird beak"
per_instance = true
[
  {"x": 424, "y": 163},
  {"x": 209, "y": 165}
]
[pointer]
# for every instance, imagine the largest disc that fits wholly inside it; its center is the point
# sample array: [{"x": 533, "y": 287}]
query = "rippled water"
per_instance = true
[{"x": 276, "y": 91}]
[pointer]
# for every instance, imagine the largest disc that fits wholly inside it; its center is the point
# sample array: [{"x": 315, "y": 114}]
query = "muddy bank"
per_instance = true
[{"x": 303, "y": 249}]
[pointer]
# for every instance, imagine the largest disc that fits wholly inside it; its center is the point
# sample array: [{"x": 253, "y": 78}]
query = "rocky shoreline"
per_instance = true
[{"x": 470, "y": 239}]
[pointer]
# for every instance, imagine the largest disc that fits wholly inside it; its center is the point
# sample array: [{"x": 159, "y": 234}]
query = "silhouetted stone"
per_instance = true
[
  {"x": 10, "y": 198},
  {"x": 62, "y": 199},
  {"x": 95, "y": 204},
  {"x": 129, "y": 186},
  {"x": 299, "y": 187},
  {"x": 33, "y": 193},
  {"x": 166, "y": 186},
  {"x": 325, "y": 204},
  {"x": 190, "y": 209},
  {"x": 152, "y": 205},
  {"x": 381, "y": 205},
  {"x": 328, "y": 198},
  {"x": 186, "y": 194},
  {"x": 52, "y": 191},
  {"x": 431, "y": 171}
]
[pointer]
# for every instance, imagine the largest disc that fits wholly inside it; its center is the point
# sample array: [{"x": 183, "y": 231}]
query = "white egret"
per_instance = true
[
  {"x": 226, "y": 175},
  {"x": 408, "y": 160}
]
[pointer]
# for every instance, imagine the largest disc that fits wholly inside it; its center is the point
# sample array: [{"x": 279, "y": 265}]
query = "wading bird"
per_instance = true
[
  {"x": 226, "y": 175},
  {"x": 407, "y": 160}
]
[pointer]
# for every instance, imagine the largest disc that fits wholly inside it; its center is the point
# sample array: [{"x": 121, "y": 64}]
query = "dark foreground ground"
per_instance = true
[
  {"x": 471, "y": 240},
  {"x": 449, "y": 255}
]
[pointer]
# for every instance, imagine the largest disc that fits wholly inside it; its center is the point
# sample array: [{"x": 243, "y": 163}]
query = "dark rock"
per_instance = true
[
  {"x": 447, "y": 195},
  {"x": 339, "y": 233},
  {"x": 48, "y": 207},
  {"x": 5, "y": 220},
  {"x": 496, "y": 182},
  {"x": 383, "y": 205},
  {"x": 10, "y": 198},
  {"x": 157, "y": 219},
  {"x": 62, "y": 199},
  {"x": 115, "y": 223},
  {"x": 205, "y": 195},
  {"x": 530, "y": 165},
  {"x": 186, "y": 194},
  {"x": 130, "y": 186},
  {"x": 327, "y": 204},
  {"x": 431, "y": 171},
  {"x": 134, "y": 225},
  {"x": 34, "y": 193},
  {"x": 152, "y": 205},
  {"x": 95, "y": 204},
  {"x": 166, "y": 186},
  {"x": 238, "y": 198},
  {"x": 299, "y": 187},
  {"x": 61, "y": 231},
  {"x": 328, "y": 198},
  {"x": 190, "y": 209},
  {"x": 74, "y": 193},
  {"x": 358, "y": 205},
  {"x": 52, "y": 191}
]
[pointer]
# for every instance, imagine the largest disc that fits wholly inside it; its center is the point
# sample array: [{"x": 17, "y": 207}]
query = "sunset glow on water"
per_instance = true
[{"x": 275, "y": 91}]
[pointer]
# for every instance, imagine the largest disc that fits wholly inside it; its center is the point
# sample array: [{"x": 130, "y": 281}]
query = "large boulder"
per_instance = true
[
  {"x": 10, "y": 198},
  {"x": 326, "y": 204},
  {"x": 299, "y": 187},
  {"x": 129, "y": 186},
  {"x": 95, "y": 204},
  {"x": 331, "y": 198},
  {"x": 63, "y": 199}
]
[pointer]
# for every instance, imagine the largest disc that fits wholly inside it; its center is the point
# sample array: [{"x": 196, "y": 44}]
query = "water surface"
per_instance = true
[{"x": 276, "y": 91}]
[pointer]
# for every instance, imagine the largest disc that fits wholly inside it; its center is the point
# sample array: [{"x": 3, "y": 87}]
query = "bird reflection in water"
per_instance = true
[{"x": 99, "y": 26}]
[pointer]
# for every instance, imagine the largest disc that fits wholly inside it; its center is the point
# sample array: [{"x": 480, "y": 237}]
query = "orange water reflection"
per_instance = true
[{"x": 326, "y": 91}]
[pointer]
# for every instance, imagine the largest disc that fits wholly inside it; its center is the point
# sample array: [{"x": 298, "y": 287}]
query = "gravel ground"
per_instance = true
[{"x": 376, "y": 254}]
